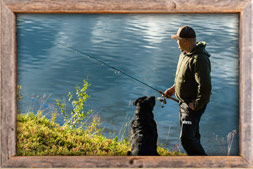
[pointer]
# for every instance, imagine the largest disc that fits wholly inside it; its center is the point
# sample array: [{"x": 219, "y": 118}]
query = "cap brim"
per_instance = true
[{"x": 175, "y": 37}]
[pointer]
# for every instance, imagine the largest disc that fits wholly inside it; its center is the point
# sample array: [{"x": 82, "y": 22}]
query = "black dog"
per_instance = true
[{"x": 143, "y": 128}]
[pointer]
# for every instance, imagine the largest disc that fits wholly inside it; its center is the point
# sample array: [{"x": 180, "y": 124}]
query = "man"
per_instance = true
[{"x": 192, "y": 87}]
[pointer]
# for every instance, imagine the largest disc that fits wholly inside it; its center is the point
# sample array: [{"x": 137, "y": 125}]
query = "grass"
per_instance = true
[
  {"x": 39, "y": 136},
  {"x": 226, "y": 142}
]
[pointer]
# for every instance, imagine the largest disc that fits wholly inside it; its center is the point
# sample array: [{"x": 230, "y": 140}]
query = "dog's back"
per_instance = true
[{"x": 143, "y": 128}]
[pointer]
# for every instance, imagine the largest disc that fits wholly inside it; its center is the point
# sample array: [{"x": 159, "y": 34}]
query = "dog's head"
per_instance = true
[{"x": 145, "y": 101}]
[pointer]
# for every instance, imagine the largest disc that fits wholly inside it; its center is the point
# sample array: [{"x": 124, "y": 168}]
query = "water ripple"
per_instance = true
[{"x": 138, "y": 44}]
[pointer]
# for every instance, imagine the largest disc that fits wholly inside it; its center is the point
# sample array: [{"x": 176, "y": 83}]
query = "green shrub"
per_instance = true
[{"x": 78, "y": 113}]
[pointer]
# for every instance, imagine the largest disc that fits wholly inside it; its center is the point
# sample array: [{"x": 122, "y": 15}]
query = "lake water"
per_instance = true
[{"x": 140, "y": 45}]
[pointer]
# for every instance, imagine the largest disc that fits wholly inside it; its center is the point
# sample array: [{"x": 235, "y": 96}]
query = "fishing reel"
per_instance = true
[{"x": 162, "y": 100}]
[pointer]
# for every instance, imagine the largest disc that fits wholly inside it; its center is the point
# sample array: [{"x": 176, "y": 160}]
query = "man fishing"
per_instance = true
[{"x": 192, "y": 87}]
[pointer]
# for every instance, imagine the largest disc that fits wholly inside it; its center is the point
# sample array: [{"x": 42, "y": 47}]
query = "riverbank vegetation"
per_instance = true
[{"x": 41, "y": 136}]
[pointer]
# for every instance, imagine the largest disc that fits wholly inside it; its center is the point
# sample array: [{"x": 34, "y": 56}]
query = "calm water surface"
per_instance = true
[{"x": 139, "y": 45}]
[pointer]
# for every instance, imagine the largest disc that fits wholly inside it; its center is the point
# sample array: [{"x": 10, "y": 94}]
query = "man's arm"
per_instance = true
[{"x": 202, "y": 76}]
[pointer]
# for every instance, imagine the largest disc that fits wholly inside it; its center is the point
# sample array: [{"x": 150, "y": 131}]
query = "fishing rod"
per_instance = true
[{"x": 120, "y": 71}]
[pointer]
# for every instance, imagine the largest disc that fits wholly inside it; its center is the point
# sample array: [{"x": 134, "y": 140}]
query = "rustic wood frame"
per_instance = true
[{"x": 8, "y": 76}]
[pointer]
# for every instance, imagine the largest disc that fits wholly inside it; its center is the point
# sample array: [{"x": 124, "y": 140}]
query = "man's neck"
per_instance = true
[{"x": 190, "y": 48}]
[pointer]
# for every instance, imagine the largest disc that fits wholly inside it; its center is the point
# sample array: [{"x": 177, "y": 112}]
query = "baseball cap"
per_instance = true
[{"x": 184, "y": 32}]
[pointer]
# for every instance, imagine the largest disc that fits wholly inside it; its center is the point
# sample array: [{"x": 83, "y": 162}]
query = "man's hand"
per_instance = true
[
  {"x": 191, "y": 105},
  {"x": 169, "y": 92}
]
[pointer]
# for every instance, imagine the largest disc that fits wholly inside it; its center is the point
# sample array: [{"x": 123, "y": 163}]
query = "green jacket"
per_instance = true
[{"x": 193, "y": 80}]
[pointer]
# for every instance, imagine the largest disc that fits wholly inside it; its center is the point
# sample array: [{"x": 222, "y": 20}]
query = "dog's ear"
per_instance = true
[
  {"x": 152, "y": 101},
  {"x": 135, "y": 102},
  {"x": 138, "y": 100}
]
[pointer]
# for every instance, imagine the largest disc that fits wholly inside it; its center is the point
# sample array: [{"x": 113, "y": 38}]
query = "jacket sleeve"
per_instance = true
[{"x": 202, "y": 70}]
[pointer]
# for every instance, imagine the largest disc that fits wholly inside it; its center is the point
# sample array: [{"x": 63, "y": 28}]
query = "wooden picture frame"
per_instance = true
[{"x": 8, "y": 75}]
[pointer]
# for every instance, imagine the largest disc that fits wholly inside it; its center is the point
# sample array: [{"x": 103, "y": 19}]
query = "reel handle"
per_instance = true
[{"x": 169, "y": 97}]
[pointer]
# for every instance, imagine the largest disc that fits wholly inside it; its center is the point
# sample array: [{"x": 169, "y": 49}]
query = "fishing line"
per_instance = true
[{"x": 118, "y": 70}]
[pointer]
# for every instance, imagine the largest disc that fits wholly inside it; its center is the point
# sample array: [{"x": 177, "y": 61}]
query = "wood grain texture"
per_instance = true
[
  {"x": 126, "y": 162},
  {"x": 246, "y": 84},
  {"x": 8, "y": 79},
  {"x": 8, "y": 83},
  {"x": 128, "y": 6},
  {"x": 0, "y": 81}
]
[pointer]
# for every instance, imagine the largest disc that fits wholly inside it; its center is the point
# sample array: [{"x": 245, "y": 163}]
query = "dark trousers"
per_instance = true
[{"x": 190, "y": 136}]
